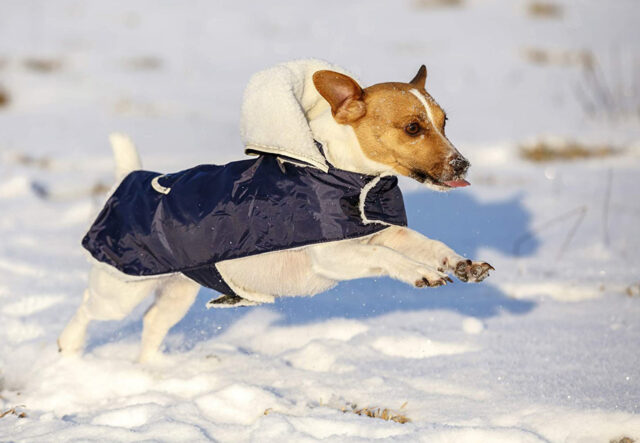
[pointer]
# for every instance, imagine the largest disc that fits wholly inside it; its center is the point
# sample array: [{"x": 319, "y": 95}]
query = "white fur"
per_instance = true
[
  {"x": 397, "y": 252},
  {"x": 125, "y": 155},
  {"x": 338, "y": 142},
  {"x": 428, "y": 107}
]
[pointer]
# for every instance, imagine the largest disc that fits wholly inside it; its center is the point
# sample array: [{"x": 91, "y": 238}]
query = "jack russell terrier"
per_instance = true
[{"x": 318, "y": 205}]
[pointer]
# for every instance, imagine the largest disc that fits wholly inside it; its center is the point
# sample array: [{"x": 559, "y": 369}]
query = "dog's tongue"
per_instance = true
[{"x": 457, "y": 183}]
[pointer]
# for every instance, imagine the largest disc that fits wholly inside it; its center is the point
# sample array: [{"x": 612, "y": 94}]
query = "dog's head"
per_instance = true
[{"x": 398, "y": 125}]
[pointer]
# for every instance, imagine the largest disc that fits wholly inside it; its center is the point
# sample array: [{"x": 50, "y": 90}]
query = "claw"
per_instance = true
[
  {"x": 485, "y": 268},
  {"x": 468, "y": 271}
]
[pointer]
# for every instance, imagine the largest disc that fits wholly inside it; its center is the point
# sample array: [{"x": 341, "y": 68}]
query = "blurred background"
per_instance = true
[
  {"x": 543, "y": 96},
  {"x": 172, "y": 74}
]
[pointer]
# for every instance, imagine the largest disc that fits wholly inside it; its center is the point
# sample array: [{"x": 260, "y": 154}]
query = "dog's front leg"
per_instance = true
[
  {"x": 432, "y": 252},
  {"x": 350, "y": 259}
]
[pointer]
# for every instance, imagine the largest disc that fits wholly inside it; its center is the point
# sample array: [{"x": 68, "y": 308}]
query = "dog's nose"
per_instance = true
[{"x": 459, "y": 165}]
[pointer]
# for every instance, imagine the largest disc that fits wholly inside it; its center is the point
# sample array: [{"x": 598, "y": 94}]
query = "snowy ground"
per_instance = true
[{"x": 547, "y": 349}]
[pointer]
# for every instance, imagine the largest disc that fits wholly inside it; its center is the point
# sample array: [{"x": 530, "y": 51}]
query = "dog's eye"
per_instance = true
[{"x": 413, "y": 129}]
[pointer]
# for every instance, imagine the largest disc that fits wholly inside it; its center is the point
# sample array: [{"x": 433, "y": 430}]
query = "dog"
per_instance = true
[{"x": 370, "y": 134}]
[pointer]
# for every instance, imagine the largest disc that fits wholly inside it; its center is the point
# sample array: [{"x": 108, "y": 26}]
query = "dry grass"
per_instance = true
[
  {"x": 562, "y": 150},
  {"x": 633, "y": 290},
  {"x": 558, "y": 57},
  {"x": 13, "y": 411},
  {"x": 372, "y": 412},
  {"x": 609, "y": 88},
  {"x": 429, "y": 4},
  {"x": 34, "y": 162},
  {"x": 375, "y": 412},
  {"x": 99, "y": 188},
  {"x": 143, "y": 63},
  {"x": 4, "y": 97},
  {"x": 126, "y": 106},
  {"x": 544, "y": 10},
  {"x": 42, "y": 65}
]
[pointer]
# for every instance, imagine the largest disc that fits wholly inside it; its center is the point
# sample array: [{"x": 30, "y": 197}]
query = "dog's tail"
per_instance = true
[{"x": 125, "y": 154}]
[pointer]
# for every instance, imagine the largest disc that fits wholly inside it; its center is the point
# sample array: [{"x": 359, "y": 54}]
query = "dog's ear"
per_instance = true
[
  {"x": 343, "y": 94},
  {"x": 420, "y": 78}
]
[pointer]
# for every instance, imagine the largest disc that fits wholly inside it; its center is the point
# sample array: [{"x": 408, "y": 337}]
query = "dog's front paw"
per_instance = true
[
  {"x": 418, "y": 275},
  {"x": 431, "y": 279},
  {"x": 472, "y": 271}
]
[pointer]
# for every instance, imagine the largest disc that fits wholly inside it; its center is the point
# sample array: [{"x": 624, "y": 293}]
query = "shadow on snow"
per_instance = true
[{"x": 456, "y": 218}]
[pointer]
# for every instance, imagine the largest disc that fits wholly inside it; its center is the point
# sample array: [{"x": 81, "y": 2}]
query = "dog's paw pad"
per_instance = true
[
  {"x": 433, "y": 282},
  {"x": 229, "y": 301},
  {"x": 469, "y": 271}
]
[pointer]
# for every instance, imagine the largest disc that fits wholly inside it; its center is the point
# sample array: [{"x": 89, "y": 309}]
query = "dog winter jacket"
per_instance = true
[
  {"x": 287, "y": 197},
  {"x": 188, "y": 221}
]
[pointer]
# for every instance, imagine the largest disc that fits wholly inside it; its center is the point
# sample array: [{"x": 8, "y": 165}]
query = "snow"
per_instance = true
[{"x": 546, "y": 349}]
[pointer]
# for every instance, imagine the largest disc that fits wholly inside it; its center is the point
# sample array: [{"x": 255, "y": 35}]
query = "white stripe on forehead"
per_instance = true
[{"x": 427, "y": 107}]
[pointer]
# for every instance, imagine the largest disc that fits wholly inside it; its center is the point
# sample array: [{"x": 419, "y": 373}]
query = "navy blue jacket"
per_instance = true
[{"x": 190, "y": 220}]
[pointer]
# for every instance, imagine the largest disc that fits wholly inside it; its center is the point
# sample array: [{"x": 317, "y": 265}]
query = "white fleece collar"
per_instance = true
[{"x": 275, "y": 110}]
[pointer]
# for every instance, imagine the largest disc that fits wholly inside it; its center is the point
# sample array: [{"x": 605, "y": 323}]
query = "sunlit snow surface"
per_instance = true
[{"x": 546, "y": 349}]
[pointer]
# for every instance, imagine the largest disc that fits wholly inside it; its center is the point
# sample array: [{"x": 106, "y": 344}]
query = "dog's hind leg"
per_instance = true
[
  {"x": 72, "y": 338},
  {"x": 173, "y": 300},
  {"x": 107, "y": 298}
]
